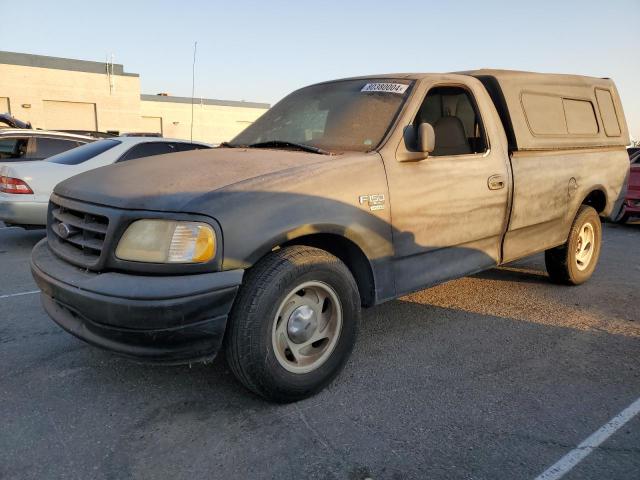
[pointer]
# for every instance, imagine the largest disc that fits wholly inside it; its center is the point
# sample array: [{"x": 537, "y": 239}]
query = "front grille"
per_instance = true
[{"x": 77, "y": 235}]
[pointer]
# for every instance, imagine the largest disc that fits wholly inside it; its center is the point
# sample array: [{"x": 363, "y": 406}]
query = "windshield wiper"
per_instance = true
[
  {"x": 285, "y": 144},
  {"x": 231, "y": 145}
]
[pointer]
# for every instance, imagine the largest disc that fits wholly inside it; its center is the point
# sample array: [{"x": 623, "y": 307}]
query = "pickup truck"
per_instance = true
[{"x": 344, "y": 195}]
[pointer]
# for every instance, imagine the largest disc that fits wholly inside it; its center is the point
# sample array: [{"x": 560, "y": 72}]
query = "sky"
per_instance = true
[{"x": 261, "y": 50}]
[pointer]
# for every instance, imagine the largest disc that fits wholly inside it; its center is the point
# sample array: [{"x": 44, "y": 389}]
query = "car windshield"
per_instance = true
[
  {"x": 347, "y": 115},
  {"x": 83, "y": 153}
]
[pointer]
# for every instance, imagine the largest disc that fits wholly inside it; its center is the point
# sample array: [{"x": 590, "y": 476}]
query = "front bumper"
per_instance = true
[
  {"x": 23, "y": 212},
  {"x": 167, "y": 319}
]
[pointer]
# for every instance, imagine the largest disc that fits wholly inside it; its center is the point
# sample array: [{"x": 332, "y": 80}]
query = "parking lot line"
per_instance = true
[
  {"x": 19, "y": 294},
  {"x": 575, "y": 456}
]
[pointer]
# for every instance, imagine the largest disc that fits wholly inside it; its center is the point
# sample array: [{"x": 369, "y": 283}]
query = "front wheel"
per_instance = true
[
  {"x": 294, "y": 323},
  {"x": 573, "y": 263}
]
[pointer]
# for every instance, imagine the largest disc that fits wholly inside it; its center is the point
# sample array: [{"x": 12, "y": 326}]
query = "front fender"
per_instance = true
[{"x": 249, "y": 234}]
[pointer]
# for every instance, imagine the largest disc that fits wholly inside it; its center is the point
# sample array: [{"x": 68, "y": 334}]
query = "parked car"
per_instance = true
[
  {"x": 25, "y": 187},
  {"x": 22, "y": 144},
  {"x": 345, "y": 194},
  {"x": 631, "y": 206}
]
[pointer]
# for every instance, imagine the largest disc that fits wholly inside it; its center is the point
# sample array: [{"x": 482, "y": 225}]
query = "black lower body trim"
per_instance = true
[{"x": 173, "y": 319}]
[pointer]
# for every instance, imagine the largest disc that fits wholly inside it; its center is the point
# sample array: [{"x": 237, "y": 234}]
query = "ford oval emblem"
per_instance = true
[{"x": 64, "y": 230}]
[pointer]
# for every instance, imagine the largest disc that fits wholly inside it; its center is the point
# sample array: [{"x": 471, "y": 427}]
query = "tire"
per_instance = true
[
  {"x": 274, "y": 314},
  {"x": 573, "y": 263}
]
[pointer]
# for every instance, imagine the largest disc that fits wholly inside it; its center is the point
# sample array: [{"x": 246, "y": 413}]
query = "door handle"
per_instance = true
[{"x": 495, "y": 182}]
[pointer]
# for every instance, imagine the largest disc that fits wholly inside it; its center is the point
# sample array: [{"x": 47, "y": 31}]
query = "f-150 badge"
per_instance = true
[{"x": 374, "y": 200}]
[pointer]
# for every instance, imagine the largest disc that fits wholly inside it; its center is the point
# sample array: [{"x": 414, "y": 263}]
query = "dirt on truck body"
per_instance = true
[{"x": 344, "y": 195}]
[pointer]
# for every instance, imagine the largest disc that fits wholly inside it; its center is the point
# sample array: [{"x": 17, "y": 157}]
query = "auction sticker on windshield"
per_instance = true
[{"x": 385, "y": 87}]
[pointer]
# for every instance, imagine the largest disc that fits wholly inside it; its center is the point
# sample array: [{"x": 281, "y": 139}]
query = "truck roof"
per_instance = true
[{"x": 495, "y": 72}]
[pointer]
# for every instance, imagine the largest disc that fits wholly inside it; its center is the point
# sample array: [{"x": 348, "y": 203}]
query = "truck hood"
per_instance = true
[{"x": 176, "y": 182}]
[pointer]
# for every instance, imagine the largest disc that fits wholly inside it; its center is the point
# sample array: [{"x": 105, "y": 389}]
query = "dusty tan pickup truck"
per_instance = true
[{"x": 345, "y": 194}]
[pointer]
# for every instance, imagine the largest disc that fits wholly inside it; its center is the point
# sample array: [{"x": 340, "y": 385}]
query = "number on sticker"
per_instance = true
[{"x": 385, "y": 87}]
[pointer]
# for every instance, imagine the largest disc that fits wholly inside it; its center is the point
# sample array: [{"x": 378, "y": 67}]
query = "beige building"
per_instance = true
[{"x": 60, "y": 93}]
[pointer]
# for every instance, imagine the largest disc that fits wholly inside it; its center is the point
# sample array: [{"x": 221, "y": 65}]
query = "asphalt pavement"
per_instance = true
[{"x": 494, "y": 376}]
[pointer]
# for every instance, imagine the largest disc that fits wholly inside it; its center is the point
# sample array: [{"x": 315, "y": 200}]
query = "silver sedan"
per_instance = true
[{"x": 25, "y": 187}]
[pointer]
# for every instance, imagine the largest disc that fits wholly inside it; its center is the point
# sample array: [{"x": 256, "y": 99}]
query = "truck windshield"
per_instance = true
[{"x": 347, "y": 115}]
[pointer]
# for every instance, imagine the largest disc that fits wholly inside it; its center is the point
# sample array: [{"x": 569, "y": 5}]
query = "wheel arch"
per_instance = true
[
  {"x": 331, "y": 240},
  {"x": 350, "y": 254},
  {"x": 596, "y": 198}
]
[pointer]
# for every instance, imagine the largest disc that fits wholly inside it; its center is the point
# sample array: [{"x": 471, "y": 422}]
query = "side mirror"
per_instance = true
[
  {"x": 426, "y": 138},
  {"x": 419, "y": 141}
]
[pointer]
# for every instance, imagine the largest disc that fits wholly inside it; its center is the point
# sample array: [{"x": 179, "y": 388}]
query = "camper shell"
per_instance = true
[{"x": 543, "y": 111}]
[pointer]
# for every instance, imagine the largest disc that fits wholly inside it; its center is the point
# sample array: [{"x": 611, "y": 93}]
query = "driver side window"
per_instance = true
[{"x": 453, "y": 114}]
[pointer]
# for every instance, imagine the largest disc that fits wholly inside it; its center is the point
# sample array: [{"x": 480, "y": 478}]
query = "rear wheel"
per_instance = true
[
  {"x": 573, "y": 263},
  {"x": 294, "y": 323}
]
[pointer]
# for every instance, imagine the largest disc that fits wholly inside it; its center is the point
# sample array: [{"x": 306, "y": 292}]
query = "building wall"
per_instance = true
[
  {"x": 211, "y": 123},
  {"x": 58, "y": 93},
  {"x": 30, "y": 88},
  {"x": 70, "y": 115}
]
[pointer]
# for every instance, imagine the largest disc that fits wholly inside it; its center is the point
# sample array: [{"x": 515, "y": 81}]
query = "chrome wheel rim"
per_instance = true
[
  {"x": 306, "y": 327},
  {"x": 585, "y": 246}
]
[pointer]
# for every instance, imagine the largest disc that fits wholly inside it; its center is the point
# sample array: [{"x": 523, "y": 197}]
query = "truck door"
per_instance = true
[{"x": 449, "y": 210}]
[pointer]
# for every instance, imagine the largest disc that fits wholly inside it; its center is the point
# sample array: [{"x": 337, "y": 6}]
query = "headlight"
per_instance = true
[{"x": 167, "y": 241}]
